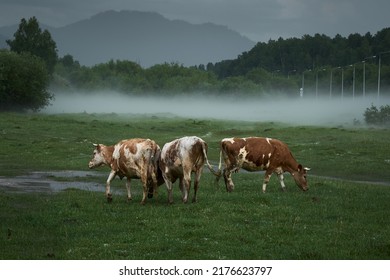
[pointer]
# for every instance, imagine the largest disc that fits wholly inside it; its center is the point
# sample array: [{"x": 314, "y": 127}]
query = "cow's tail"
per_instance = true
[
  {"x": 219, "y": 166},
  {"x": 218, "y": 173},
  {"x": 153, "y": 170},
  {"x": 210, "y": 167}
]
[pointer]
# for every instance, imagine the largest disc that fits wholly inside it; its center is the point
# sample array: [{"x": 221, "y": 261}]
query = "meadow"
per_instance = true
[{"x": 344, "y": 215}]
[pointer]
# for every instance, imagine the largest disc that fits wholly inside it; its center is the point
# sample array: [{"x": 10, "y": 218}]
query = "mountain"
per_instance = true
[
  {"x": 147, "y": 38},
  {"x": 3, "y": 44},
  {"x": 6, "y": 33}
]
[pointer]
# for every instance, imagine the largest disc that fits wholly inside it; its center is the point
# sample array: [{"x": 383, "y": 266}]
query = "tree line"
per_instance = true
[
  {"x": 352, "y": 62},
  {"x": 320, "y": 64}
]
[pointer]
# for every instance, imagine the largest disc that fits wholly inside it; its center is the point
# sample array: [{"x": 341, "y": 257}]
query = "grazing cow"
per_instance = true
[
  {"x": 256, "y": 153},
  {"x": 134, "y": 159},
  {"x": 179, "y": 159}
]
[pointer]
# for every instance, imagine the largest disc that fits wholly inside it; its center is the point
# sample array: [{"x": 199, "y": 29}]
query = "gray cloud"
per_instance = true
[{"x": 259, "y": 20}]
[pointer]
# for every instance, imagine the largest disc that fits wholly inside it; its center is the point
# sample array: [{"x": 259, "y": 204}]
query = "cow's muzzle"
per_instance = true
[{"x": 305, "y": 189}]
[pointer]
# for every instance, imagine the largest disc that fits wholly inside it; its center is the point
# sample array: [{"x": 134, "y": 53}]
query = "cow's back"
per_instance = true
[
  {"x": 186, "y": 151},
  {"x": 192, "y": 151},
  {"x": 179, "y": 159},
  {"x": 132, "y": 157},
  {"x": 251, "y": 153}
]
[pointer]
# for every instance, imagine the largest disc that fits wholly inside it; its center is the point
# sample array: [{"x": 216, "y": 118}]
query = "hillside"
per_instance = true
[
  {"x": 296, "y": 55},
  {"x": 146, "y": 38}
]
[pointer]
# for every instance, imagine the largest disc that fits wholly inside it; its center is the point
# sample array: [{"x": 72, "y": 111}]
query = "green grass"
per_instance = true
[
  {"x": 63, "y": 142},
  {"x": 336, "y": 219}
]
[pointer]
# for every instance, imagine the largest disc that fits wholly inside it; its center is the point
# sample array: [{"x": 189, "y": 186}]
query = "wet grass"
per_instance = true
[
  {"x": 336, "y": 219},
  {"x": 32, "y": 142}
]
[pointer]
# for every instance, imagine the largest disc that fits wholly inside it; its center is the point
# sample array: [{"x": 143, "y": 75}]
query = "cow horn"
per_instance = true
[
  {"x": 95, "y": 145},
  {"x": 306, "y": 168}
]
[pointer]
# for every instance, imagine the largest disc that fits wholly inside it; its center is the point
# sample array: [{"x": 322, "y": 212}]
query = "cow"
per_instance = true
[
  {"x": 132, "y": 158},
  {"x": 179, "y": 159},
  {"x": 257, "y": 153}
]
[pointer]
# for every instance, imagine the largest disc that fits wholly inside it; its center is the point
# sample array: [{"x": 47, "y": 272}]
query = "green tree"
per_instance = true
[
  {"x": 23, "y": 82},
  {"x": 68, "y": 62},
  {"x": 30, "y": 38}
]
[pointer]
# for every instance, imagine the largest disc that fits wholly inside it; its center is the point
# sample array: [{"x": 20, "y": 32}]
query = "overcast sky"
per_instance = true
[{"x": 259, "y": 20}]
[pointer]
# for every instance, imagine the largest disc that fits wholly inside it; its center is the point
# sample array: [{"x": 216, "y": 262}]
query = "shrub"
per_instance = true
[
  {"x": 378, "y": 117},
  {"x": 23, "y": 82}
]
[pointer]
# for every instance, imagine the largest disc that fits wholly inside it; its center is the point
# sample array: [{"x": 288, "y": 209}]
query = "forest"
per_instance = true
[
  {"x": 319, "y": 64},
  {"x": 310, "y": 66}
]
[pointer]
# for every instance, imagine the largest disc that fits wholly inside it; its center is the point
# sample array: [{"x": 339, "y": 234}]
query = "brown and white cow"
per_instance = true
[
  {"x": 132, "y": 158},
  {"x": 179, "y": 159},
  {"x": 257, "y": 153}
]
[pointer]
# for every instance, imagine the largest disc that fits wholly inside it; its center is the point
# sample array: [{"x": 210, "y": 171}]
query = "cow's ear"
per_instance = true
[
  {"x": 300, "y": 167},
  {"x": 97, "y": 146}
]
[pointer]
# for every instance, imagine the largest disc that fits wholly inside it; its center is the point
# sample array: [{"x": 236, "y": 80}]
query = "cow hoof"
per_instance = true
[
  {"x": 129, "y": 199},
  {"x": 109, "y": 198}
]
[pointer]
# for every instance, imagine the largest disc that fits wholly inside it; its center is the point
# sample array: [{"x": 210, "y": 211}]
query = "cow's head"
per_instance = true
[
  {"x": 300, "y": 177},
  {"x": 98, "y": 156}
]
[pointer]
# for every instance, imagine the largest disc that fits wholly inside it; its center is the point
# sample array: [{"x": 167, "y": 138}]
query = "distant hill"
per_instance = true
[
  {"x": 6, "y": 33},
  {"x": 146, "y": 38},
  {"x": 3, "y": 44}
]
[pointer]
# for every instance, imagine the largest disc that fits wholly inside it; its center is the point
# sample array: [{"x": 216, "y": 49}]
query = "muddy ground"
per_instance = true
[{"x": 53, "y": 181}]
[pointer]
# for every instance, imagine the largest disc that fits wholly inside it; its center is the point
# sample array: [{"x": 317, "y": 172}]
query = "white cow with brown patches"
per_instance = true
[
  {"x": 179, "y": 159},
  {"x": 134, "y": 159},
  {"x": 257, "y": 153}
]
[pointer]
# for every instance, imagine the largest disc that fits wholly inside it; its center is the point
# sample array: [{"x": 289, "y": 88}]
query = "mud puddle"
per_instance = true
[
  {"x": 52, "y": 181},
  {"x": 56, "y": 181}
]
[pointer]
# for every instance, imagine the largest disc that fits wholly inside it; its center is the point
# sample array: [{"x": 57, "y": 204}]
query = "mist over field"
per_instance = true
[{"x": 299, "y": 111}]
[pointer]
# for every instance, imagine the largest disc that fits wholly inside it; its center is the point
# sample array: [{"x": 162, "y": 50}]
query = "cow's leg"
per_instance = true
[
  {"x": 183, "y": 189},
  {"x": 144, "y": 193},
  {"x": 186, "y": 185},
  {"x": 109, "y": 179},
  {"x": 128, "y": 187},
  {"x": 152, "y": 185},
  {"x": 198, "y": 173},
  {"x": 281, "y": 179},
  {"x": 267, "y": 177},
  {"x": 170, "y": 191},
  {"x": 168, "y": 183},
  {"x": 181, "y": 185},
  {"x": 227, "y": 175},
  {"x": 144, "y": 180}
]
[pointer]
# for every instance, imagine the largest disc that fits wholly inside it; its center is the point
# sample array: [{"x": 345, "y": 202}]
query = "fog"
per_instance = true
[{"x": 298, "y": 111}]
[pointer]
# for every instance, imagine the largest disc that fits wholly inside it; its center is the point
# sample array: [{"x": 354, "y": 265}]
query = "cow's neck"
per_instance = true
[
  {"x": 291, "y": 165},
  {"x": 108, "y": 151}
]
